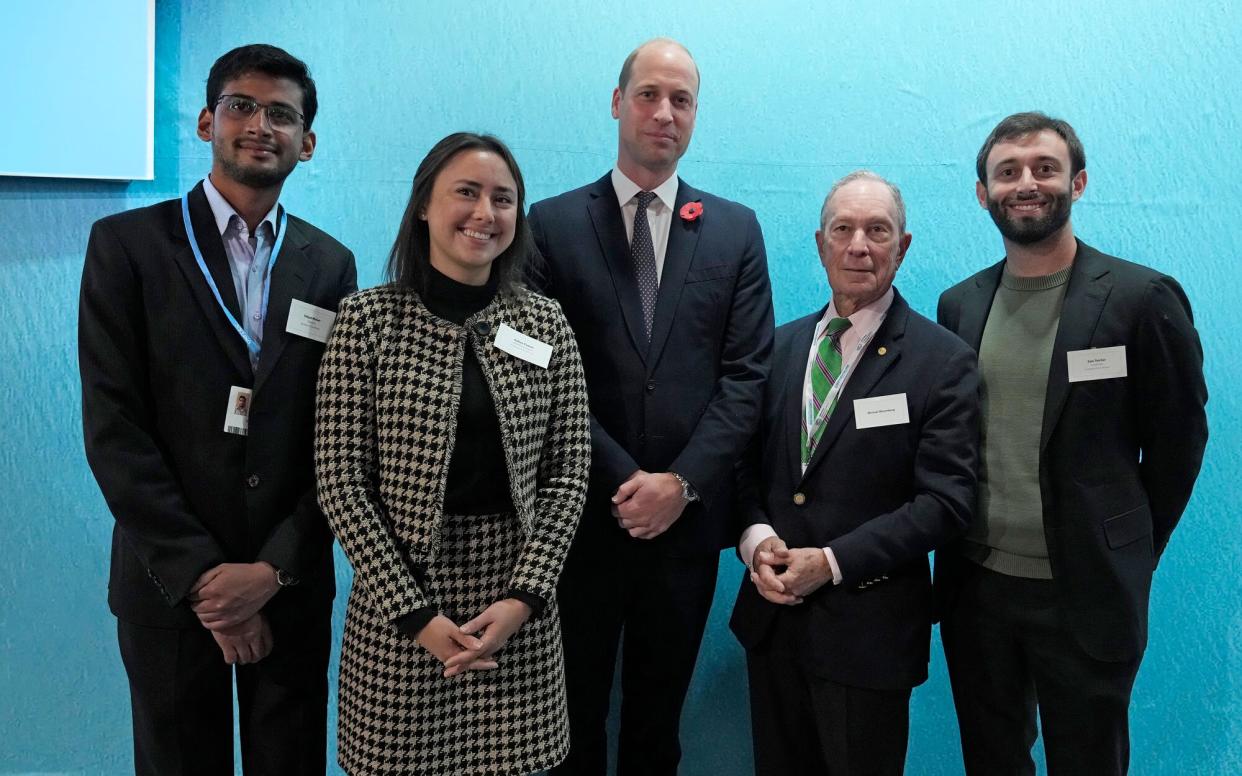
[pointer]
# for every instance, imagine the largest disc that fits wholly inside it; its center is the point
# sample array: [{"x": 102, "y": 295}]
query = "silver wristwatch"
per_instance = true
[{"x": 687, "y": 490}]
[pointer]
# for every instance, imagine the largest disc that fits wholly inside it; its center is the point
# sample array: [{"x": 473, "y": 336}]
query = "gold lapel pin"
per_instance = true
[{"x": 883, "y": 350}]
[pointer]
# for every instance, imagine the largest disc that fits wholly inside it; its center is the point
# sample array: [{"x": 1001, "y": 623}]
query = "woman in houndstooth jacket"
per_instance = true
[{"x": 452, "y": 451}]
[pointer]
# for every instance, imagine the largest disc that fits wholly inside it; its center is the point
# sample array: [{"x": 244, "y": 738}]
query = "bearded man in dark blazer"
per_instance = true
[
  {"x": 863, "y": 463},
  {"x": 1093, "y": 433},
  {"x": 201, "y": 327},
  {"x": 666, "y": 288}
]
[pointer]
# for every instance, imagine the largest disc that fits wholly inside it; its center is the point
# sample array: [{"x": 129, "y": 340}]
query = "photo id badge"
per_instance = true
[{"x": 237, "y": 414}]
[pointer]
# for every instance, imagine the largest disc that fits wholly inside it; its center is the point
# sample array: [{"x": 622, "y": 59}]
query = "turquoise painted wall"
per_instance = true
[{"x": 794, "y": 95}]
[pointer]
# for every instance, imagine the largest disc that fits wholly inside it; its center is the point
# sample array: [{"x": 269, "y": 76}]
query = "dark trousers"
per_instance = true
[
  {"x": 1009, "y": 654},
  {"x": 618, "y": 592},
  {"x": 805, "y": 724},
  {"x": 181, "y": 693}
]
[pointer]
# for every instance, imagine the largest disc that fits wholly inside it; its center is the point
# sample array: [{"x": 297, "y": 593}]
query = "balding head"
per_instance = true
[{"x": 627, "y": 67}]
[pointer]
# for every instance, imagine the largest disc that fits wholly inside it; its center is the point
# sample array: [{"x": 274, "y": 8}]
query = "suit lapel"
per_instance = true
[
  {"x": 291, "y": 277},
  {"x": 1087, "y": 290},
  {"x": 977, "y": 304},
  {"x": 615, "y": 248},
  {"x": 683, "y": 238},
  {"x": 870, "y": 368},
  {"x": 212, "y": 248},
  {"x": 794, "y": 373}
]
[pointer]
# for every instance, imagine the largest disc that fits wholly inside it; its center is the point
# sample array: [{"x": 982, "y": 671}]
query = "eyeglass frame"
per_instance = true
[{"x": 265, "y": 107}]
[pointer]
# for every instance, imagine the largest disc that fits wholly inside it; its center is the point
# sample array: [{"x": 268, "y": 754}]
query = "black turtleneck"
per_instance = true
[{"x": 478, "y": 480}]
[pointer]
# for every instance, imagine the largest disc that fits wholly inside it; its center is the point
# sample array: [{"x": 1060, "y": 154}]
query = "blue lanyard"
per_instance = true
[{"x": 251, "y": 344}]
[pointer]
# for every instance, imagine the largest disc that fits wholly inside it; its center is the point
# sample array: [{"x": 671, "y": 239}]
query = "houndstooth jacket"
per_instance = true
[{"x": 389, "y": 387}]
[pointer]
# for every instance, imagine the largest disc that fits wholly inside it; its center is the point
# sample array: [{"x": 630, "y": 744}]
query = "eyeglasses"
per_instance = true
[{"x": 241, "y": 107}]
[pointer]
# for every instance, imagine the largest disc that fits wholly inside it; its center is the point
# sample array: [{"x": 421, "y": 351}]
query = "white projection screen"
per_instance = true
[{"x": 78, "y": 95}]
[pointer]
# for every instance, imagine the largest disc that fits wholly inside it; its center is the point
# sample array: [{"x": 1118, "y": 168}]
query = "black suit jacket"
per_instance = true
[
  {"x": 687, "y": 401},
  {"x": 1118, "y": 458},
  {"x": 157, "y": 358},
  {"x": 881, "y": 498}
]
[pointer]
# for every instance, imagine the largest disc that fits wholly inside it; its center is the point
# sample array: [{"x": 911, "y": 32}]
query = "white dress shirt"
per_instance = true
[
  {"x": 864, "y": 323},
  {"x": 659, "y": 212}
]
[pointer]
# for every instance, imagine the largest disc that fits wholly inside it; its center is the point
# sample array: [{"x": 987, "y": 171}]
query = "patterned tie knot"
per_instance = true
[
  {"x": 644, "y": 199},
  {"x": 837, "y": 327}
]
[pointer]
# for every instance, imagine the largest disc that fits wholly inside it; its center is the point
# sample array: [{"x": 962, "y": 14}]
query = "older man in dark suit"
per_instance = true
[
  {"x": 202, "y": 323},
  {"x": 864, "y": 462},
  {"x": 666, "y": 288},
  {"x": 1093, "y": 429}
]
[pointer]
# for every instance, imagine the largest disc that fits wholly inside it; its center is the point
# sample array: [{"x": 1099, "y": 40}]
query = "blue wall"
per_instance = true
[{"x": 794, "y": 95}]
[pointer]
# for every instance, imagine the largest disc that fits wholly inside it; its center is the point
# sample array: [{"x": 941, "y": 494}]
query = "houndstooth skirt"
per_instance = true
[{"x": 398, "y": 715}]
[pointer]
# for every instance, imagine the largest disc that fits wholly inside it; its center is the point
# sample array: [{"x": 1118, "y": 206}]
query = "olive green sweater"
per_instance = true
[{"x": 1007, "y": 535}]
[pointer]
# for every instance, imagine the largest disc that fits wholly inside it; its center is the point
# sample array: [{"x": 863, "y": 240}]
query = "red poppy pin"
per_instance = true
[{"x": 691, "y": 211}]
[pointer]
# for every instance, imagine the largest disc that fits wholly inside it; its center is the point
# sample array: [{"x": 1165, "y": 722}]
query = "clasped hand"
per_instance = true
[
  {"x": 472, "y": 646},
  {"x": 229, "y": 594},
  {"x": 647, "y": 504},
  {"x": 785, "y": 576},
  {"x": 248, "y": 642}
]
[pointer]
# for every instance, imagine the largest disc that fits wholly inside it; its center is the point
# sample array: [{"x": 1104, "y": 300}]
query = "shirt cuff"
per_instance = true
[
  {"x": 832, "y": 564},
  {"x": 751, "y": 538}
]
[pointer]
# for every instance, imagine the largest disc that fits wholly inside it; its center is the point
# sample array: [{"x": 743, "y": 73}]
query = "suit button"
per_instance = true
[
  {"x": 252, "y": 481},
  {"x": 799, "y": 499},
  {"x": 651, "y": 386},
  {"x": 483, "y": 328}
]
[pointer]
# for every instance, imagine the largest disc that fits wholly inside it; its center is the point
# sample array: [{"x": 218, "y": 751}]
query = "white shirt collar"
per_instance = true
[
  {"x": 224, "y": 212},
  {"x": 666, "y": 192},
  {"x": 865, "y": 318}
]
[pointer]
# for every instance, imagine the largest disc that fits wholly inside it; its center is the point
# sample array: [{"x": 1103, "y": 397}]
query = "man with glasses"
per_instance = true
[{"x": 201, "y": 326}]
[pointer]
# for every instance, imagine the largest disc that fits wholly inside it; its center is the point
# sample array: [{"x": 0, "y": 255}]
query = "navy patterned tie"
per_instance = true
[{"x": 643, "y": 253}]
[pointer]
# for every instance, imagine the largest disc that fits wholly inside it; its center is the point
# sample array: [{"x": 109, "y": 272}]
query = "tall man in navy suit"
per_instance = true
[
  {"x": 202, "y": 322},
  {"x": 667, "y": 290},
  {"x": 1093, "y": 432},
  {"x": 864, "y": 462}
]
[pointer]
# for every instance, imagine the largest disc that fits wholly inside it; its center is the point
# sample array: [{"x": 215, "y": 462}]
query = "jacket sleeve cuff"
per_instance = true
[
  {"x": 537, "y": 603},
  {"x": 413, "y": 623}
]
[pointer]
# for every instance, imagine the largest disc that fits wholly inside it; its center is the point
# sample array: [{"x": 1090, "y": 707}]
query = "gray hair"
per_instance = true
[{"x": 866, "y": 175}]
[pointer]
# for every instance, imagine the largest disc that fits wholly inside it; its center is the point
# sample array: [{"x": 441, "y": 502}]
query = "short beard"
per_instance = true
[
  {"x": 255, "y": 179},
  {"x": 1027, "y": 231}
]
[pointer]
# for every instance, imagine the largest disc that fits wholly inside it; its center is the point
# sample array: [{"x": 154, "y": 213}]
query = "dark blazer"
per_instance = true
[
  {"x": 1118, "y": 458},
  {"x": 157, "y": 358},
  {"x": 881, "y": 498},
  {"x": 688, "y": 401}
]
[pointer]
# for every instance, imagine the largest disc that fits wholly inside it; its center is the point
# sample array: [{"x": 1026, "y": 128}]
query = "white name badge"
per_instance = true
[
  {"x": 515, "y": 343},
  {"x": 237, "y": 414},
  {"x": 1096, "y": 363},
  {"x": 307, "y": 320},
  {"x": 881, "y": 411}
]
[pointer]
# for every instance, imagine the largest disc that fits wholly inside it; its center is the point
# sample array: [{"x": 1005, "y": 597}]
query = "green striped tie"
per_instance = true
[{"x": 824, "y": 373}]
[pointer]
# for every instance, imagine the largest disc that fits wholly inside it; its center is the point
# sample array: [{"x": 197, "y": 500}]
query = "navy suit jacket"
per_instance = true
[
  {"x": 687, "y": 401},
  {"x": 1118, "y": 458},
  {"x": 157, "y": 358},
  {"x": 881, "y": 498}
]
